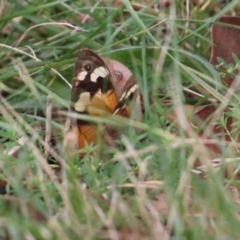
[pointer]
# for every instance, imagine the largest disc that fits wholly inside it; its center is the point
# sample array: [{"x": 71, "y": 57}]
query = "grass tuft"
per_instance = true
[{"x": 161, "y": 181}]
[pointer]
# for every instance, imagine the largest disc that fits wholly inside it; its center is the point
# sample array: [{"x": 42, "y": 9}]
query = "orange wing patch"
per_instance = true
[
  {"x": 93, "y": 94},
  {"x": 78, "y": 136},
  {"x": 102, "y": 104},
  {"x": 86, "y": 134}
]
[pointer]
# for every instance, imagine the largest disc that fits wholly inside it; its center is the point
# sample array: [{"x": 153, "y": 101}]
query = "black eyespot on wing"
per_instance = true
[
  {"x": 88, "y": 67},
  {"x": 118, "y": 74}
]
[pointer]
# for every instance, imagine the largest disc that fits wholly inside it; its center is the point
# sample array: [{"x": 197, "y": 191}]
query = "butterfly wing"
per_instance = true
[
  {"x": 129, "y": 106},
  {"x": 92, "y": 94},
  {"x": 127, "y": 100},
  {"x": 92, "y": 87}
]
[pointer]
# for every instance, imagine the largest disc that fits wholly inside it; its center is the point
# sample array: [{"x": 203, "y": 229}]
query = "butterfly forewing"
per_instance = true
[{"x": 92, "y": 89}]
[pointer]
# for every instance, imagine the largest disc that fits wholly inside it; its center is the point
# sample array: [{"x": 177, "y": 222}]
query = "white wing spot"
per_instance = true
[
  {"x": 117, "y": 110},
  {"x": 127, "y": 94},
  {"x": 83, "y": 101},
  {"x": 123, "y": 96},
  {"x": 131, "y": 90},
  {"x": 101, "y": 71},
  {"x": 81, "y": 76},
  {"x": 94, "y": 77}
]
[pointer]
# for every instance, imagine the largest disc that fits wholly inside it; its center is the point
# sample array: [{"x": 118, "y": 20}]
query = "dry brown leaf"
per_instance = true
[{"x": 225, "y": 40}]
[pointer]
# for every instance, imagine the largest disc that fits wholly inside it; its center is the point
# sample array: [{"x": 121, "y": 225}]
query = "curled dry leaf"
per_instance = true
[
  {"x": 200, "y": 116},
  {"x": 225, "y": 41},
  {"x": 217, "y": 129}
]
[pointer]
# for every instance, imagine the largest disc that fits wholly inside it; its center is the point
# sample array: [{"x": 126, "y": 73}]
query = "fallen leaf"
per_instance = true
[{"x": 226, "y": 41}]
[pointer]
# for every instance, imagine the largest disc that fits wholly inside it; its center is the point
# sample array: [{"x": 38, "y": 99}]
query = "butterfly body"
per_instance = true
[{"x": 94, "y": 94}]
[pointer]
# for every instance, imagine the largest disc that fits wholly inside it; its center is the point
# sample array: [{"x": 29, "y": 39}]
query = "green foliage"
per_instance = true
[{"x": 101, "y": 195}]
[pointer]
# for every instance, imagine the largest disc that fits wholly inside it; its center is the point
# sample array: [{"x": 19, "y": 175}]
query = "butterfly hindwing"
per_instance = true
[
  {"x": 128, "y": 96},
  {"x": 93, "y": 94}
]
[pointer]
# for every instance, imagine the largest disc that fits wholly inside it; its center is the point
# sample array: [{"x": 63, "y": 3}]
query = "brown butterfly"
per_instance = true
[{"x": 94, "y": 93}]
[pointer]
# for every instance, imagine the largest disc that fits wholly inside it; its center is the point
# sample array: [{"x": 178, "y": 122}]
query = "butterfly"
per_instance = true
[{"x": 95, "y": 93}]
